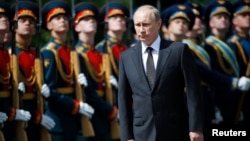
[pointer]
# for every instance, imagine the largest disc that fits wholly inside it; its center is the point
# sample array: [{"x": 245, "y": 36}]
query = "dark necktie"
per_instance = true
[{"x": 150, "y": 72}]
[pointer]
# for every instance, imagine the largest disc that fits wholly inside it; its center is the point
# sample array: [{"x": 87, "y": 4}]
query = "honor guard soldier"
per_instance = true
[
  {"x": 180, "y": 16},
  {"x": 115, "y": 15},
  {"x": 222, "y": 58},
  {"x": 25, "y": 17},
  {"x": 178, "y": 20},
  {"x": 86, "y": 21},
  {"x": 63, "y": 104},
  {"x": 5, "y": 63},
  {"x": 197, "y": 33},
  {"x": 6, "y": 110},
  {"x": 240, "y": 42},
  {"x": 209, "y": 77}
]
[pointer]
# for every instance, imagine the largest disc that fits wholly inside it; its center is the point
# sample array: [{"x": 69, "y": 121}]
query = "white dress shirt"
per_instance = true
[{"x": 155, "y": 52}]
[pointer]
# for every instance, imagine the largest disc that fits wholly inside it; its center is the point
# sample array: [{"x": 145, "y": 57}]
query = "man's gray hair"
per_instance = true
[{"x": 155, "y": 13}]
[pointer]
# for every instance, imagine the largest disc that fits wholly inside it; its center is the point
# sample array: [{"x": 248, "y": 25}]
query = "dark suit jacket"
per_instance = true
[{"x": 163, "y": 113}]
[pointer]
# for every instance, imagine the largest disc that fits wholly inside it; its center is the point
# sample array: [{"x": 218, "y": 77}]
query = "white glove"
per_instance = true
[
  {"x": 45, "y": 91},
  {"x": 3, "y": 117},
  {"x": 86, "y": 109},
  {"x": 48, "y": 122},
  {"x": 82, "y": 79},
  {"x": 243, "y": 83},
  {"x": 21, "y": 87},
  {"x": 218, "y": 116},
  {"x": 22, "y": 115},
  {"x": 113, "y": 81}
]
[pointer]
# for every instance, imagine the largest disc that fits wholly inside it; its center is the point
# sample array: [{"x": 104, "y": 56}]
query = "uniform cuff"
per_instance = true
[
  {"x": 12, "y": 114},
  {"x": 234, "y": 83},
  {"x": 38, "y": 118},
  {"x": 112, "y": 115},
  {"x": 76, "y": 107}
]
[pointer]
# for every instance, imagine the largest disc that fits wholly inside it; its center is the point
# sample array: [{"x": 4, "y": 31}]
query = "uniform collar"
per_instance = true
[
  {"x": 52, "y": 39},
  {"x": 22, "y": 47},
  {"x": 241, "y": 35},
  {"x": 113, "y": 40}
]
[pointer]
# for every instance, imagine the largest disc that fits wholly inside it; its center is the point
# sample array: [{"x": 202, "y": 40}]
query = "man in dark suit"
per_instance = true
[{"x": 152, "y": 106}]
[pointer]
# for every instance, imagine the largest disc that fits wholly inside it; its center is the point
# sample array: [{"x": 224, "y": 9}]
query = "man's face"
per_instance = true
[
  {"x": 117, "y": 23},
  {"x": 198, "y": 25},
  {"x": 87, "y": 25},
  {"x": 242, "y": 21},
  {"x": 146, "y": 27},
  {"x": 4, "y": 23},
  {"x": 59, "y": 24},
  {"x": 178, "y": 26},
  {"x": 26, "y": 26},
  {"x": 220, "y": 21}
]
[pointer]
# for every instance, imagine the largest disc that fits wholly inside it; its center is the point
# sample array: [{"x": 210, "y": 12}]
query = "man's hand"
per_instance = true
[
  {"x": 113, "y": 81},
  {"x": 243, "y": 83},
  {"x": 22, "y": 115},
  {"x": 45, "y": 91},
  {"x": 47, "y": 122},
  {"x": 82, "y": 80},
  {"x": 3, "y": 117},
  {"x": 21, "y": 87},
  {"x": 86, "y": 109},
  {"x": 196, "y": 136}
]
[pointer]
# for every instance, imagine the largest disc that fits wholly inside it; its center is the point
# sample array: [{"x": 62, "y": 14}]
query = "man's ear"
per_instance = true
[
  {"x": 77, "y": 27},
  {"x": 234, "y": 21},
  {"x": 211, "y": 24},
  {"x": 49, "y": 26},
  {"x": 164, "y": 29}
]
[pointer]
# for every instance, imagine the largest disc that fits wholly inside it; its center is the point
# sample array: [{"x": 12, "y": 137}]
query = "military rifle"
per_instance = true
[
  {"x": 45, "y": 135},
  {"x": 20, "y": 125},
  {"x": 114, "y": 125},
  {"x": 1, "y": 133},
  {"x": 242, "y": 97},
  {"x": 110, "y": 96},
  {"x": 86, "y": 125}
]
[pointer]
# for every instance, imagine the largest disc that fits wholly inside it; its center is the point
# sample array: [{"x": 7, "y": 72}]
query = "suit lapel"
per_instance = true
[
  {"x": 162, "y": 59},
  {"x": 137, "y": 59}
]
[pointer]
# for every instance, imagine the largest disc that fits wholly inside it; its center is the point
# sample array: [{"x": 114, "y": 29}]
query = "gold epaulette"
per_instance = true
[
  {"x": 234, "y": 38},
  {"x": 79, "y": 49},
  {"x": 100, "y": 44},
  {"x": 65, "y": 77},
  {"x": 50, "y": 46}
]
